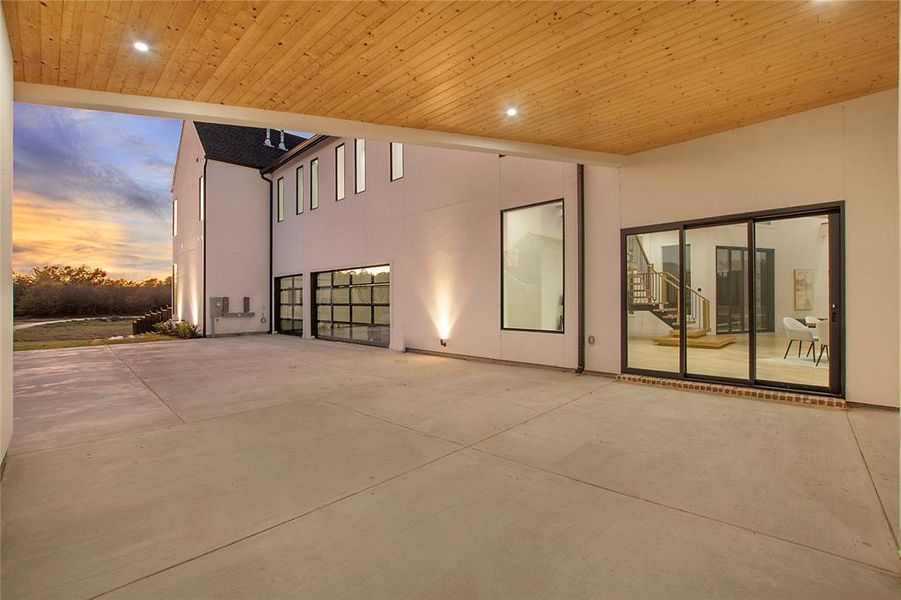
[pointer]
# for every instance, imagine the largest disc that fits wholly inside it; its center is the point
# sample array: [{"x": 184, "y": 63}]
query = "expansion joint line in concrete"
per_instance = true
[
  {"x": 145, "y": 384},
  {"x": 888, "y": 521},
  {"x": 347, "y": 496}
]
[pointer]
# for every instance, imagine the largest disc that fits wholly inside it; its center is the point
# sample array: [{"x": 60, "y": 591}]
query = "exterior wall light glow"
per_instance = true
[
  {"x": 141, "y": 46},
  {"x": 512, "y": 112}
]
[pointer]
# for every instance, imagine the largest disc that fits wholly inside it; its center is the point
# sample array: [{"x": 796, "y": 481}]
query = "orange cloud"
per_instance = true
[{"x": 48, "y": 232}]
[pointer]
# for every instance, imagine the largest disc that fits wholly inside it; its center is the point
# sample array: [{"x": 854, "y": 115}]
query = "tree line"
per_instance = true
[{"x": 66, "y": 291}]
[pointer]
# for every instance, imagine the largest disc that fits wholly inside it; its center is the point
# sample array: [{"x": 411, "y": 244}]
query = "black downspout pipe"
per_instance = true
[
  {"x": 580, "y": 215},
  {"x": 271, "y": 290},
  {"x": 203, "y": 283}
]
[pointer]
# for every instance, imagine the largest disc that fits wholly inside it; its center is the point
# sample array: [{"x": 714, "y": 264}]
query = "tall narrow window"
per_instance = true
[
  {"x": 175, "y": 217},
  {"x": 175, "y": 291},
  {"x": 298, "y": 190},
  {"x": 314, "y": 184},
  {"x": 339, "y": 172},
  {"x": 202, "y": 198},
  {"x": 397, "y": 161},
  {"x": 360, "y": 173},
  {"x": 280, "y": 199},
  {"x": 532, "y": 243}
]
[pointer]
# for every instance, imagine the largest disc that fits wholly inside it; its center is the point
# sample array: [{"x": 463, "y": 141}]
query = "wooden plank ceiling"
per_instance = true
[{"x": 608, "y": 76}]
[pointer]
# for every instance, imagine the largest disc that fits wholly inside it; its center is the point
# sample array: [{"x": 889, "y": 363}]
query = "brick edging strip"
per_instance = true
[{"x": 732, "y": 390}]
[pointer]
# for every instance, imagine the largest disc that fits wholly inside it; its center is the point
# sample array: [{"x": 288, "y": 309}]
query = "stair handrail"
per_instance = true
[{"x": 658, "y": 284}]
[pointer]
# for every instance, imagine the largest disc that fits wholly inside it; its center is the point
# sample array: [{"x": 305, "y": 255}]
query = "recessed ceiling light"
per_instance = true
[
  {"x": 512, "y": 112},
  {"x": 141, "y": 46}
]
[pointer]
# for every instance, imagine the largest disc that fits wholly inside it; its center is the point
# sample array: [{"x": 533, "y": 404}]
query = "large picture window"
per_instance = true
[
  {"x": 354, "y": 305},
  {"x": 532, "y": 279}
]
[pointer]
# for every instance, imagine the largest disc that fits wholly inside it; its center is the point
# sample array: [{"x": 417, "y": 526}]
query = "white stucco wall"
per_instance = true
[
  {"x": 187, "y": 244},
  {"x": 6, "y": 191},
  {"x": 439, "y": 229},
  {"x": 847, "y": 152},
  {"x": 237, "y": 245}
]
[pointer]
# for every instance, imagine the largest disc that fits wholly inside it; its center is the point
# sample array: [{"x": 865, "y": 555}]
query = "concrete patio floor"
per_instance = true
[{"x": 273, "y": 467}]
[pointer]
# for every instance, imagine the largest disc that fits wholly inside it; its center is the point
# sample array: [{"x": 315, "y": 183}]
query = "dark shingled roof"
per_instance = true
[{"x": 242, "y": 145}]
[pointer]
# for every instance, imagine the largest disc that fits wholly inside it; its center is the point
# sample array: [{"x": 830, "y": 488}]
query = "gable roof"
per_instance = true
[
  {"x": 242, "y": 145},
  {"x": 296, "y": 151}
]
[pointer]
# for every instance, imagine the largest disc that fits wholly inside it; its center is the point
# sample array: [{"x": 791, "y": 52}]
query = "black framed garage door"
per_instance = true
[
  {"x": 353, "y": 305},
  {"x": 289, "y": 295}
]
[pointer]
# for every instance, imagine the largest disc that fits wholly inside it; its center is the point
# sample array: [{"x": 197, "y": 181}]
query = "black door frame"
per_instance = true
[
  {"x": 278, "y": 301},
  {"x": 314, "y": 305},
  {"x": 836, "y": 215},
  {"x": 770, "y": 254}
]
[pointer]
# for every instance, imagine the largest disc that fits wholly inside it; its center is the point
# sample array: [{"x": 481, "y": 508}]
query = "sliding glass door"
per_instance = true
[
  {"x": 697, "y": 324},
  {"x": 718, "y": 295},
  {"x": 800, "y": 350}
]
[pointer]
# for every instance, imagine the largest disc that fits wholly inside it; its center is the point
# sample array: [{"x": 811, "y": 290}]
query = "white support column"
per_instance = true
[{"x": 6, "y": 246}]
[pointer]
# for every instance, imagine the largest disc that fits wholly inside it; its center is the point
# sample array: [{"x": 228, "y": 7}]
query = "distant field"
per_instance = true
[{"x": 95, "y": 332}]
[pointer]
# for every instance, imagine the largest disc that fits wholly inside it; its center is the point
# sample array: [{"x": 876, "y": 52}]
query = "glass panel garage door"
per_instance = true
[
  {"x": 353, "y": 305},
  {"x": 290, "y": 304}
]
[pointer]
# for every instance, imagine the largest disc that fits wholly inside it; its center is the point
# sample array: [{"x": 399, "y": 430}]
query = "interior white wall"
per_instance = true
[
  {"x": 6, "y": 192},
  {"x": 187, "y": 244},
  {"x": 846, "y": 151},
  {"x": 237, "y": 245},
  {"x": 439, "y": 229}
]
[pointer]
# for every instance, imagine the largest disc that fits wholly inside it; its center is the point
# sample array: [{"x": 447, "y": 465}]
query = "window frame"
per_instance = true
[
  {"x": 280, "y": 200},
  {"x": 340, "y": 173},
  {"x": 314, "y": 184},
  {"x": 358, "y": 165},
  {"x": 391, "y": 146},
  {"x": 562, "y": 202},
  {"x": 298, "y": 190},
  {"x": 202, "y": 196}
]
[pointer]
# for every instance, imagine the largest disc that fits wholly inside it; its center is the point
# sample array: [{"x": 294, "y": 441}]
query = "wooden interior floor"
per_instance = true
[{"x": 732, "y": 360}]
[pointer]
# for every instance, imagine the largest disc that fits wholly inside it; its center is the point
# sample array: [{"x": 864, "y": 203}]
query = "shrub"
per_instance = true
[
  {"x": 179, "y": 329},
  {"x": 185, "y": 330}
]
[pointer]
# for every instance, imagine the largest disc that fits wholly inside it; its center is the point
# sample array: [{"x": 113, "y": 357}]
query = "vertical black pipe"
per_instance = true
[
  {"x": 580, "y": 216},
  {"x": 271, "y": 287},
  {"x": 203, "y": 251}
]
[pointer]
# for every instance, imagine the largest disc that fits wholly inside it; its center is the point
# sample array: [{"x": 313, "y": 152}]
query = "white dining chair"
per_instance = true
[
  {"x": 811, "y": 321},
  {"x": 823, "y": 337},
  {"x": 796, "y": 331}
]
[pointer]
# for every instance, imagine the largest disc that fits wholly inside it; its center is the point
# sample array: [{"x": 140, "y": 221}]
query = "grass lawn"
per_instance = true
[{"x": 95, "y": 332}]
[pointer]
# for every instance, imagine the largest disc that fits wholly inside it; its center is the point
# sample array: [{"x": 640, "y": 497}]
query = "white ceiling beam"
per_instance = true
[{"x": 34, "y": 93}]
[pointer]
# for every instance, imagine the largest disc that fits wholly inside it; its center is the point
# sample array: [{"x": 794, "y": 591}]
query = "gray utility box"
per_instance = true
[{"x": 219, "y": 309}]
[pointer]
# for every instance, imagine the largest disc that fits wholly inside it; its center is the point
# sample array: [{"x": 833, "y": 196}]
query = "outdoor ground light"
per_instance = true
[
  {"x": 141, "y": 46},
  {"x": 512, "y": 112}
]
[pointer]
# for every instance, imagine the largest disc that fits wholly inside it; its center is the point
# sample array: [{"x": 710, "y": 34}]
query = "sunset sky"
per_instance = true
[{"x": 93, "y": 188}]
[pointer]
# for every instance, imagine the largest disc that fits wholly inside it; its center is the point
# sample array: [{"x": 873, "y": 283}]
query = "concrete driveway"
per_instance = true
[{"x": 273, "y": 467}]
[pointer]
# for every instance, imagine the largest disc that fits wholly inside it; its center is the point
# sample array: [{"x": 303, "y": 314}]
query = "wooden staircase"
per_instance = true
[{"x": 657, "y": 292}]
